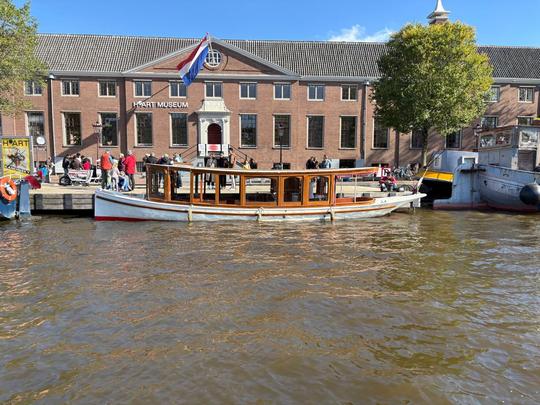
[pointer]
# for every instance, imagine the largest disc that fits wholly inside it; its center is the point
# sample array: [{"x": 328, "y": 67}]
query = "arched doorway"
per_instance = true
[{"x": 214, "y": 134}]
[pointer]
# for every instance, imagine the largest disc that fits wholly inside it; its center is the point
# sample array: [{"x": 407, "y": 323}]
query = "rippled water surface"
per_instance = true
[{"x": 432, "y": 307}]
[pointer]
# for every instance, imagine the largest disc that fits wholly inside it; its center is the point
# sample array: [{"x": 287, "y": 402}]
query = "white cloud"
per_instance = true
[{"x": 357, "y": 33}]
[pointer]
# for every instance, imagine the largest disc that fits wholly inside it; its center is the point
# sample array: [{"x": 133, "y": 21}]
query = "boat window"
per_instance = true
[
  {"x": 261, "y": 190},
  {"x": 528, "y": 138},
  {"x": 292, "y": 189},
  {"x": 204, "y": 188},
  {"x": 346, "y": 188},
  {"x": 156, "y": 188},
  {"x": 487, "y": 141},
  {"x": 180, "y": 185},
  {"x": 318, "y": 188},
  {"x": 503, "y": 138},
  {"x": 229, "y": 191}
]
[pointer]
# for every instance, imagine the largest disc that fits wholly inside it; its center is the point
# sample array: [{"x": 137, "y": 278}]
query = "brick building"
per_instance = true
[{"x": 313, "y": 97}]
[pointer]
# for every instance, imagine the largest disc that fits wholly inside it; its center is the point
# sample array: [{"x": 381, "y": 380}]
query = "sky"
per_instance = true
[{"x": 498, "y": 22}]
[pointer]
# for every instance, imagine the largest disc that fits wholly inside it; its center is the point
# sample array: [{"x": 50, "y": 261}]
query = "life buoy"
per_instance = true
[{"x": 8, "y": 189}]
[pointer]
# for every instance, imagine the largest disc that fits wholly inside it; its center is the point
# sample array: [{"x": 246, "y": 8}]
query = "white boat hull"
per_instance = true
[{"x": 113, "y": 206}]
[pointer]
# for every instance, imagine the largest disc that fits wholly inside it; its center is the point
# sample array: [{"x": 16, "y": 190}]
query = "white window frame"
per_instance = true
[
  {"x": 64, "y": 135},
  {"x": 490, "y": 116},
  {"x": 498, "y": 94},
  {"x": 256, "y": 131},
  {"x": 249, "y": 97},
  {"x": 355, "y": 132},
  {"x": 373, "y": 138},
  {"x": 323, "y": 131},
  {"x": 117, "y": 129},
  {"x": 176, "y": 145},
  {"x": 135, "y": 88},
  {"x": 70, "y": 87},
  {"x": 460, "y": 141},
  {"x": 177, "y": 82},
  {"x": 107, "y": 81},
  {"x": 349, "y": 86},
  {"x": 282, "y": 84},
  {"x": 33, "y": 94},
  {"x": 532, "y": 117},
  {"x": 531, "y": 88},
  {"x": 143, "y": 145},
  {"x": 213, "y": 82},
  {"x": 26, "y": 120},
  {"x": 274, "y": 146},
  {"x": 316, "y": 93}
]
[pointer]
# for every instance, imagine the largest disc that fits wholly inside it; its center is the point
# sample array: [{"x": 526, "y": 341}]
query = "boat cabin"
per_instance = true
[
  {"x": 515, "y": 147},
  {"x": 255, "y": 188}
]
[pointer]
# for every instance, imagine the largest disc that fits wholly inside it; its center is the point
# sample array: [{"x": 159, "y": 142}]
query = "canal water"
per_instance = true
[{"x": 434, "y": 307}]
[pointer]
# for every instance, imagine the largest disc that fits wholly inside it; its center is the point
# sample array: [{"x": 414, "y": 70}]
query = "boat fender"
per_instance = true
[
  {"x": 530, "y": 194},
  {"x": 332, "y": 214},
  {"x": 190, "y": 214},
  {"x": 259, "y": 214},
  {"x": 8, "y": 189}
]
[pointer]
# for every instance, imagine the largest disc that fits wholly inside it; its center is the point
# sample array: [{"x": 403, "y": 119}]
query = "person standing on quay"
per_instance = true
[
  {"x": 106, "y": 166},
  {"x": 130, "y": 165}
]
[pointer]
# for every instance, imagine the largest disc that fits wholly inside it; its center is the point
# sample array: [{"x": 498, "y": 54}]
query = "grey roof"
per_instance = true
[{"x": 103, "y": 53}]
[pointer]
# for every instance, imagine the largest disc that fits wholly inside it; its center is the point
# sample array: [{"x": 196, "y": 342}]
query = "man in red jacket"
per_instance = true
[{"x": 131, "y": 166}]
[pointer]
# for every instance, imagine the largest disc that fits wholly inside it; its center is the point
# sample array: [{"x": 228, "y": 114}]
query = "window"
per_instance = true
[
  {"x": 261, "y": 190},
  {"x": 31, "y": 88},
  {"x": 282, "y": 130},
  {"x": 213, "y": 58},
  {"x": 282, "y": 91},
  {"x": 143, "y": 88},
  {"x": 316, "y": 92},
  {"x": 36, "y": 124},
  {"x": 318, "y": 188},
  {"x": 109, "y": 129},
  {"x": 380, "y": 135},
  {"x": 526, "y": 94},
  {"x": 72, "y": 129},
  {"x": 525, "y": 120},
  {"x": 453, "y": 140},
  {"x": 248, "y": 90},
  {"x": 213, "y": 89},
  {"x": 107, "y": 88},
  {"x": 315, "y": 132},
  {"x": 494, "y": 94},
  {"x": 292, "y": 189},
  {"x": 143, "y": 122},
  {"x": 179, "y": 129},
  {"x": 416, "y": 139},
  {"x": 177, "y": 89},
  {"x": 349, "y": 92},
  {"x": 489, "y": 122},
  {"x": 70, "y": 87},
  {"x": 348, "y": 133},
  {"x": 248, "y": 130}
]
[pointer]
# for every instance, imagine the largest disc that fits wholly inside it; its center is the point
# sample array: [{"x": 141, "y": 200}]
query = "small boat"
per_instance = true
[
  {"x": 14, "y": 197},
  {"x": 187, "y": 193}
]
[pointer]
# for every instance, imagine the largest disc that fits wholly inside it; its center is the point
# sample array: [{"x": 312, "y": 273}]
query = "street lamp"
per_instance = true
[{"x": 97, "y": 131}]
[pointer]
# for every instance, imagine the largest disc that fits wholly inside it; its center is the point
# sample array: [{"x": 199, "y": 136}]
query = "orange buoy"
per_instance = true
[{"x": 8, "y": 189}]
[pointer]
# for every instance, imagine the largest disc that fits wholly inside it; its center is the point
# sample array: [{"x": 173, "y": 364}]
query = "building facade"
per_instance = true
[{"x": 264, "y": 98}]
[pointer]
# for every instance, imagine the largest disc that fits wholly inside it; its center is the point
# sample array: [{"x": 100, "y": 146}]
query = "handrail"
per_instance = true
[{"x": 189, "y": 152}]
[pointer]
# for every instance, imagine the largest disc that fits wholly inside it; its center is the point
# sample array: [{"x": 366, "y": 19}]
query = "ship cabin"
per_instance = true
[
  {"x": 183, "y": 184},
  {"x": 515, "y": 147}
]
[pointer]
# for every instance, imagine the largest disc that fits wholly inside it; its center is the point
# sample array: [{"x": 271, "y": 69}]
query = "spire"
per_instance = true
[{"x": 440, "y": 15}]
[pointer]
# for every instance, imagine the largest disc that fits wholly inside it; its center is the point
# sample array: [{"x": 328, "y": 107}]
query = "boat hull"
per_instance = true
[
  {"x": 112, "y": 206},
  {"x": 500, "y": 188}
]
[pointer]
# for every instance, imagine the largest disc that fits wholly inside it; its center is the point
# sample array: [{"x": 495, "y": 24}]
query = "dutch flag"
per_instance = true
[{"x": 189, "y": 68}]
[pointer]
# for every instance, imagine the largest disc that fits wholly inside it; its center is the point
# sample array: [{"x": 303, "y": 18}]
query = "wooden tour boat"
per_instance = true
[{"x": 187, "y": 193}]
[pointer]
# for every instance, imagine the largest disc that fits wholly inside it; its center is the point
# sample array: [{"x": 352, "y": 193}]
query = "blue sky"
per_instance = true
[{"x": 498, "y": 22}]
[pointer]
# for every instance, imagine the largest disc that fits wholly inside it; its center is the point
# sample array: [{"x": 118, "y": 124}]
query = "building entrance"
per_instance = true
[{"x": 214, "y": 134}]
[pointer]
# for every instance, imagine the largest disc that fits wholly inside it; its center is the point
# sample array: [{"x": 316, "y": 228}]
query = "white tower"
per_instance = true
[{"x": 440, "y": 15}]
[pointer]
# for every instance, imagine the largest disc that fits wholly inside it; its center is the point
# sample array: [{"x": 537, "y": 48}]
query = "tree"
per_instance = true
[
  {"x": 432, "y": 78},
  {"x": 18, "y": 62}
]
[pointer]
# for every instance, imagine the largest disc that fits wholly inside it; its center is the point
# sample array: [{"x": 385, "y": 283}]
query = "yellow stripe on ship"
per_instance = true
[{"x": 440, "y": 176}]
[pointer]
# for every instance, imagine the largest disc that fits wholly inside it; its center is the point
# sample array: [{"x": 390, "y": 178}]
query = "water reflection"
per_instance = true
[{"x": 431, "y": 307}]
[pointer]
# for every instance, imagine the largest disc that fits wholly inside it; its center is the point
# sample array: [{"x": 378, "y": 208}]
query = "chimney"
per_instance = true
[{"x": 440, "y": 15}]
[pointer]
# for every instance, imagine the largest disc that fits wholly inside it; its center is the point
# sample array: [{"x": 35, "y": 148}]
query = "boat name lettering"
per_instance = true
[{"x": 160, "y": 104}]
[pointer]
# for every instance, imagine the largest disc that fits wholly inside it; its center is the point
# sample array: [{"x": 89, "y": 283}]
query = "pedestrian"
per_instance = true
[
  {"x": 130, "y": 167},
  {"x": 252, "y": 164},
  {"x": 106, "y": 166},
  {"x": 66, "y": 162},
  {"x": 325, "y": 164}
]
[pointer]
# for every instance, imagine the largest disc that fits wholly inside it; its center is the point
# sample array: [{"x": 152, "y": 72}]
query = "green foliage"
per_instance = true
[
  {"x": 432, "y": 78},
  {"x": 18, "y": 63}
]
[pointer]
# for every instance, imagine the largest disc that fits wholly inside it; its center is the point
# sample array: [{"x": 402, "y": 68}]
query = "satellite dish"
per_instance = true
[{"x": 40, "y": 140}]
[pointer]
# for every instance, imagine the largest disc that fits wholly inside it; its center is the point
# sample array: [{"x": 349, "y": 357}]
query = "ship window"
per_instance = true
[
  {"x": 157, "y": 180},
  {"x": 318, "y": 188},
  {"x": 180, "y": 185},
  {"x": 292, "y": 189},
  {"x": 261, "y": 191},
  {"x": 528, "y": 138}
]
